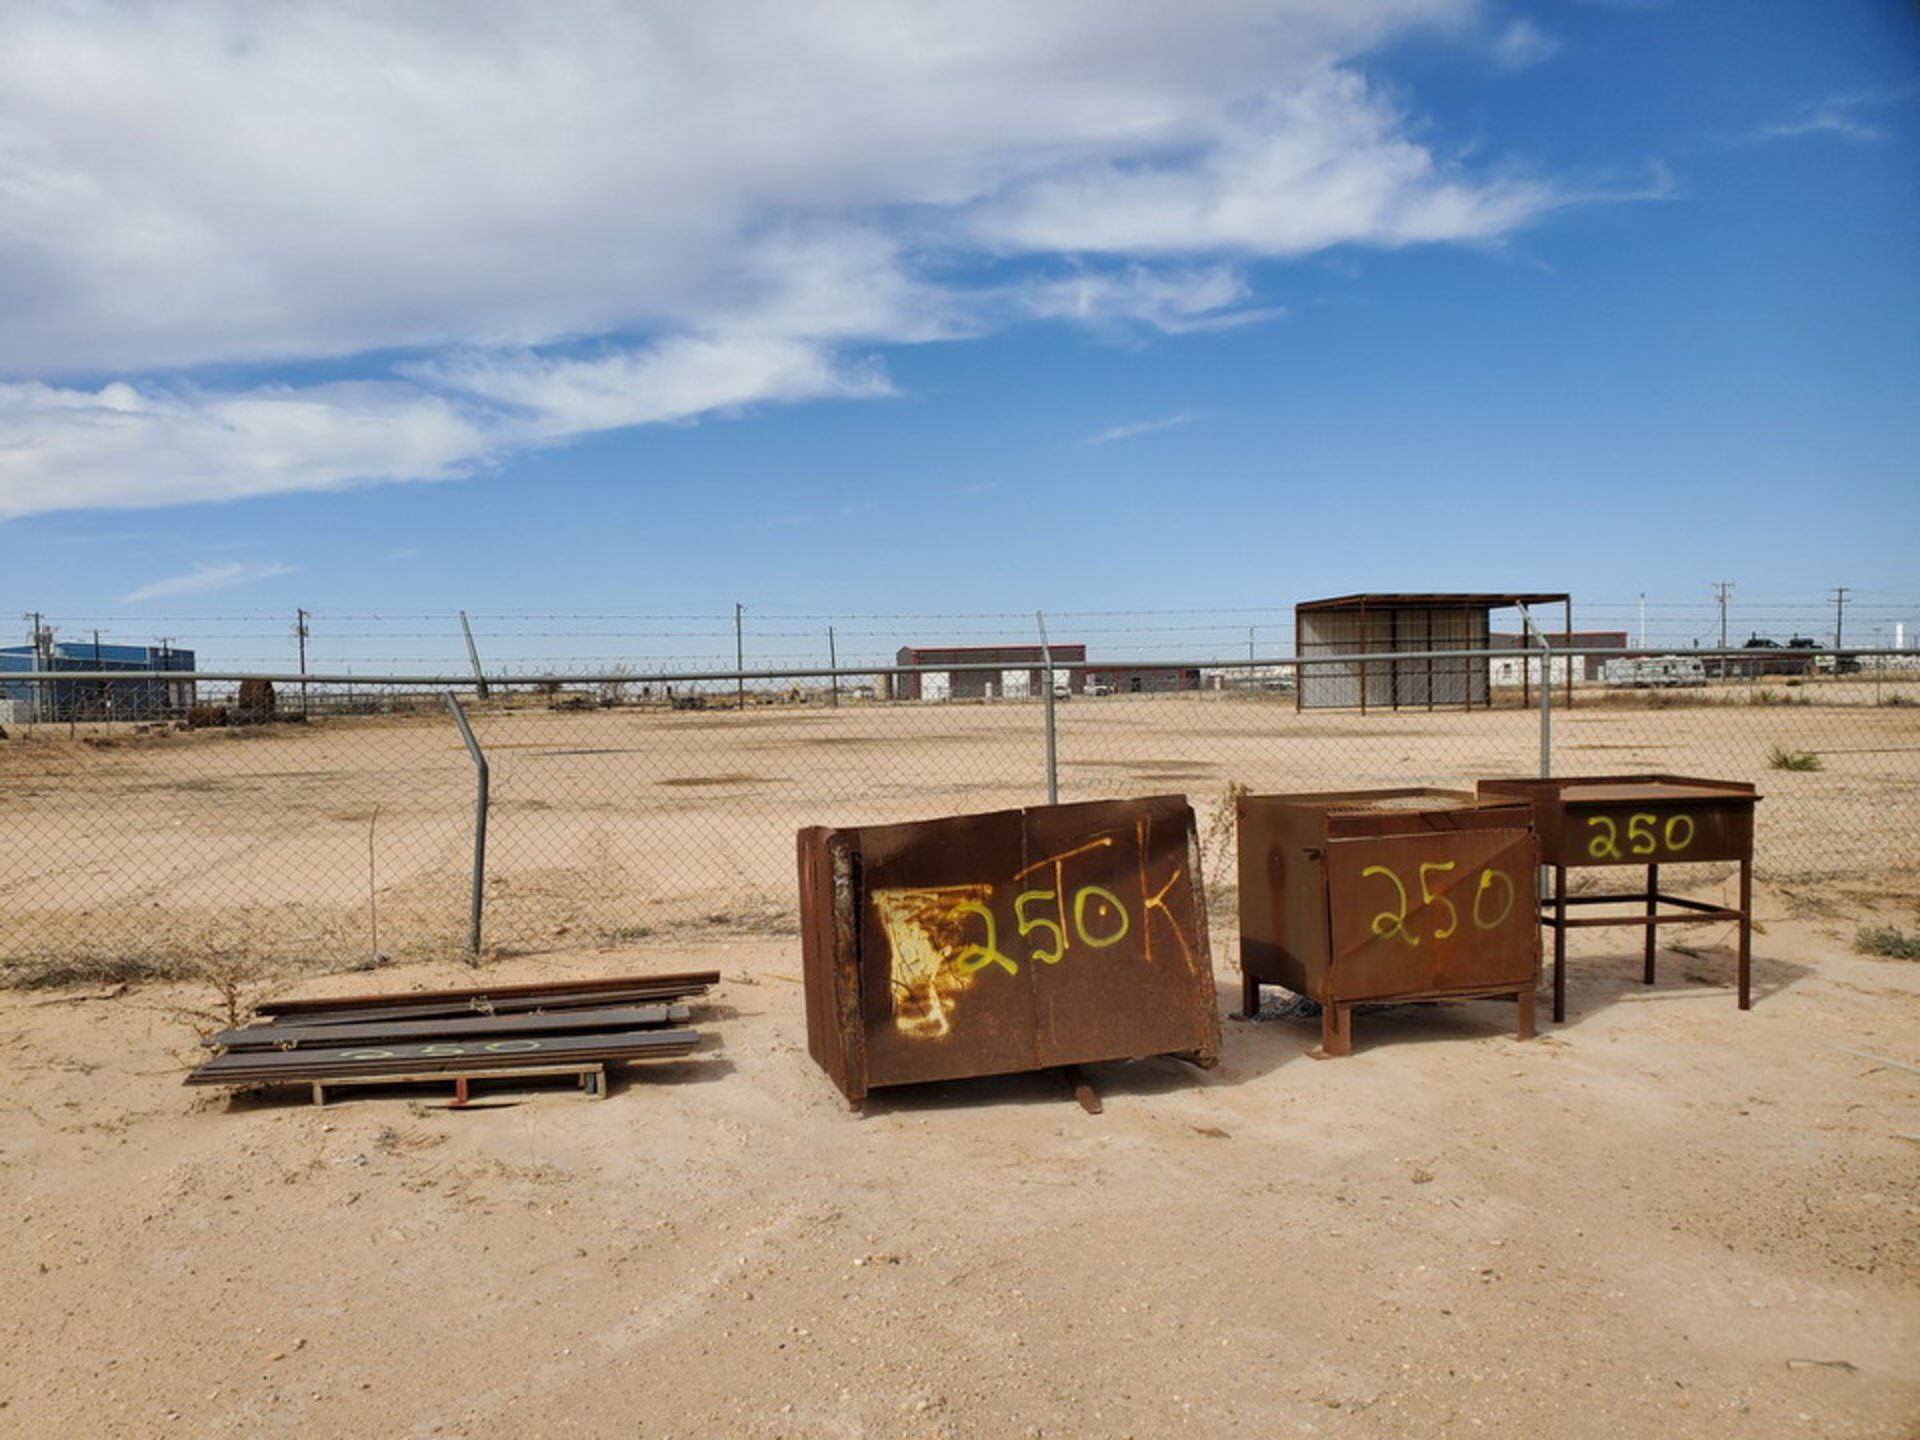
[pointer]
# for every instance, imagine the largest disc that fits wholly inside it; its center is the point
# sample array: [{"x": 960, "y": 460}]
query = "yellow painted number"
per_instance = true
[
  {"x": 1606, "y": 845},
  {"x": 1676, "y": 838},
  {"x": 1030, "y": 923},
  {"x": 1427, "y": 867},
  {"x": 1640, "y": 834},
  {"x": 978, "y": 957},
  {"x": 1106, "y": 904},
  {"x": 1488, "y": 878},
  {"x": 1391, "y": 922}
]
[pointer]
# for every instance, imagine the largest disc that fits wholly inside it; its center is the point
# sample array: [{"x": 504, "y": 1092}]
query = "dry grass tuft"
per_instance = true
[
  {"x": 1779, "y": 759},
  {"x": 1888, "y": 942}
]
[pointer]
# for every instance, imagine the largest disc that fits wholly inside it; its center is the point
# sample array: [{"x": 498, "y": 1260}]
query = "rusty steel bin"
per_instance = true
[
  {"x": 1387, "y": 895},
  {"x": 1651, "y": 820},
  {"x": 988, "y": 944}
]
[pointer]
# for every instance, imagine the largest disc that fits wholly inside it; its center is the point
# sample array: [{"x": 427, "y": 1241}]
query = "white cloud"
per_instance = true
[
  {"x": 1521, "y": 43},
  {"x": 1323, "y": 164},
  {"x": 1173, "y": 300},
  {"x": 1843, "y": 116},
  {"x": 731, "y": 199},
  {"x": 64, "y": 448},
  {"x": 1829, "y": 121},
  {"x": 207, "y": 577},
  {"x": 72, "y": 449},
  {"x": 1141, "y": 427},
  {"x": 677, "y": 379}
]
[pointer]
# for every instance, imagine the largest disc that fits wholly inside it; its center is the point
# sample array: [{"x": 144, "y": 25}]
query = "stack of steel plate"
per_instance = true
[{"x": 569, "y": 1026}]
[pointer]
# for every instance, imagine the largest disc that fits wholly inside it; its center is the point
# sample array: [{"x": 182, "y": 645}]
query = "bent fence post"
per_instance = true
[
  {"x": 479, "y": 824},
  {"x": 1053, "y": 754}
]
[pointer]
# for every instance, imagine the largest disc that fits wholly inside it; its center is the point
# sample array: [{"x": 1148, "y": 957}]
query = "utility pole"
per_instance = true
[
  {"x": 739, "y": 653},
  {"x": 162, "y": 654},
  {"x": 1839, "y": 611},
  {"x": 1249, "y": 648},
  {"x": 42, "y": 640},
  {"x": 1643, "y": 619},
  {"x": 833, "y": 664},
  {"x": 300, "y": 634},
  {"x": 1723, "y": 588}
]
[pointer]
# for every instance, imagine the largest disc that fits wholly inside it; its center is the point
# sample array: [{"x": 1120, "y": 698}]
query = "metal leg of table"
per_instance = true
[
  {"x": 1559, "y": 943},
  {"x": 1524, "y": 1021},
  {"x": 1336, "y": 1029},
  {"x": 1746, "y": 934},
  {"x": 1653, "y": 908},
  {"x": 1249, "y": 996}
]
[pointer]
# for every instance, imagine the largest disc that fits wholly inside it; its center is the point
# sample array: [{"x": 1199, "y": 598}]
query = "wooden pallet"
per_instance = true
[{"x": 593, "y": 1079}]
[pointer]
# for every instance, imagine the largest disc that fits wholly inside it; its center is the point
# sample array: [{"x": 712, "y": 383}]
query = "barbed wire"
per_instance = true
[{"x": 771, "y": 635}]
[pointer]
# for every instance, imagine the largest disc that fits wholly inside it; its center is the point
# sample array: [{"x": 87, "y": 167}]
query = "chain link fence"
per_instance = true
[{"x": 333, "y": 822}]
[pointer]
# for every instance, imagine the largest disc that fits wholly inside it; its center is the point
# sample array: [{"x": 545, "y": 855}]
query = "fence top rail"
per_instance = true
[{"x": 689, "y": 677}]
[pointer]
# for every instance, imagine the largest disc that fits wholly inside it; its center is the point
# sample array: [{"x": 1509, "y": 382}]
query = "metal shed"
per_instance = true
[{"x": 1398, "y": 624}]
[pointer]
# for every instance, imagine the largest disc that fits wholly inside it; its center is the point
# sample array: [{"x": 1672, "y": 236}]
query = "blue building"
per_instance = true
[{"x": 145, "y": 697}]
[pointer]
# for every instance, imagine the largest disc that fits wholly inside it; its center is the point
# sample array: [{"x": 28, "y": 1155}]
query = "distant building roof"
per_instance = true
[
  {"x": 1057, "y": 647},
  {"x": 1430, "y": 601}
]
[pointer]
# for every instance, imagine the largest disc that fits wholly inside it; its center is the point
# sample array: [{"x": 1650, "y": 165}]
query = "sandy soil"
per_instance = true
[
  {"x": 1664, "y": 1218},
  {"x": 318, "y": 844}
]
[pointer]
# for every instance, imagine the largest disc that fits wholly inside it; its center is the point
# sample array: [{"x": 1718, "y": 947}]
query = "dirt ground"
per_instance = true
[
  {"x": 1663, "y": 1218},
  {"x": 129, "y": 854}
]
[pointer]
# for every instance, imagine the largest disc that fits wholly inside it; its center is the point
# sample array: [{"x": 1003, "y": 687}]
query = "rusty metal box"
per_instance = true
[
  {"x": 988, "y": 944},
  {"x": 1636, "y": 819},
  {"x": 1376, "y": 895}
]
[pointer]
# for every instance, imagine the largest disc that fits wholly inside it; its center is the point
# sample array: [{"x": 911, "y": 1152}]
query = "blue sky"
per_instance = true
[{"x": 646, "y": 311}]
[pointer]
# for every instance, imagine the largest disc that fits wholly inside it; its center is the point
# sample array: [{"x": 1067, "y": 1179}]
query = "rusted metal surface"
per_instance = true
[
  {"x": 555, "y": 1022},
  {"x": 551, "y": 1027},
  {"x": 677, "y": 983},
  {"x": 989, "y": 944},
  {"x": 505, "y": 1005},
  {"x": 1410, "y": 894},
  {"x": 1648, "y": 820},
  {"x": 280, "y": 1066},
  {"x": 1636, "y": 819},
  {"x": 1433, "y": 600}
]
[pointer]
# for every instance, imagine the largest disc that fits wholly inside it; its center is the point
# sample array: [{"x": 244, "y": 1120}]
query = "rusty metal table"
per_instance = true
[
  {"x": 1387, "y": 895},
  {"x": 1650, "y": 820},
  {"x": 1019, "y": 940}
]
